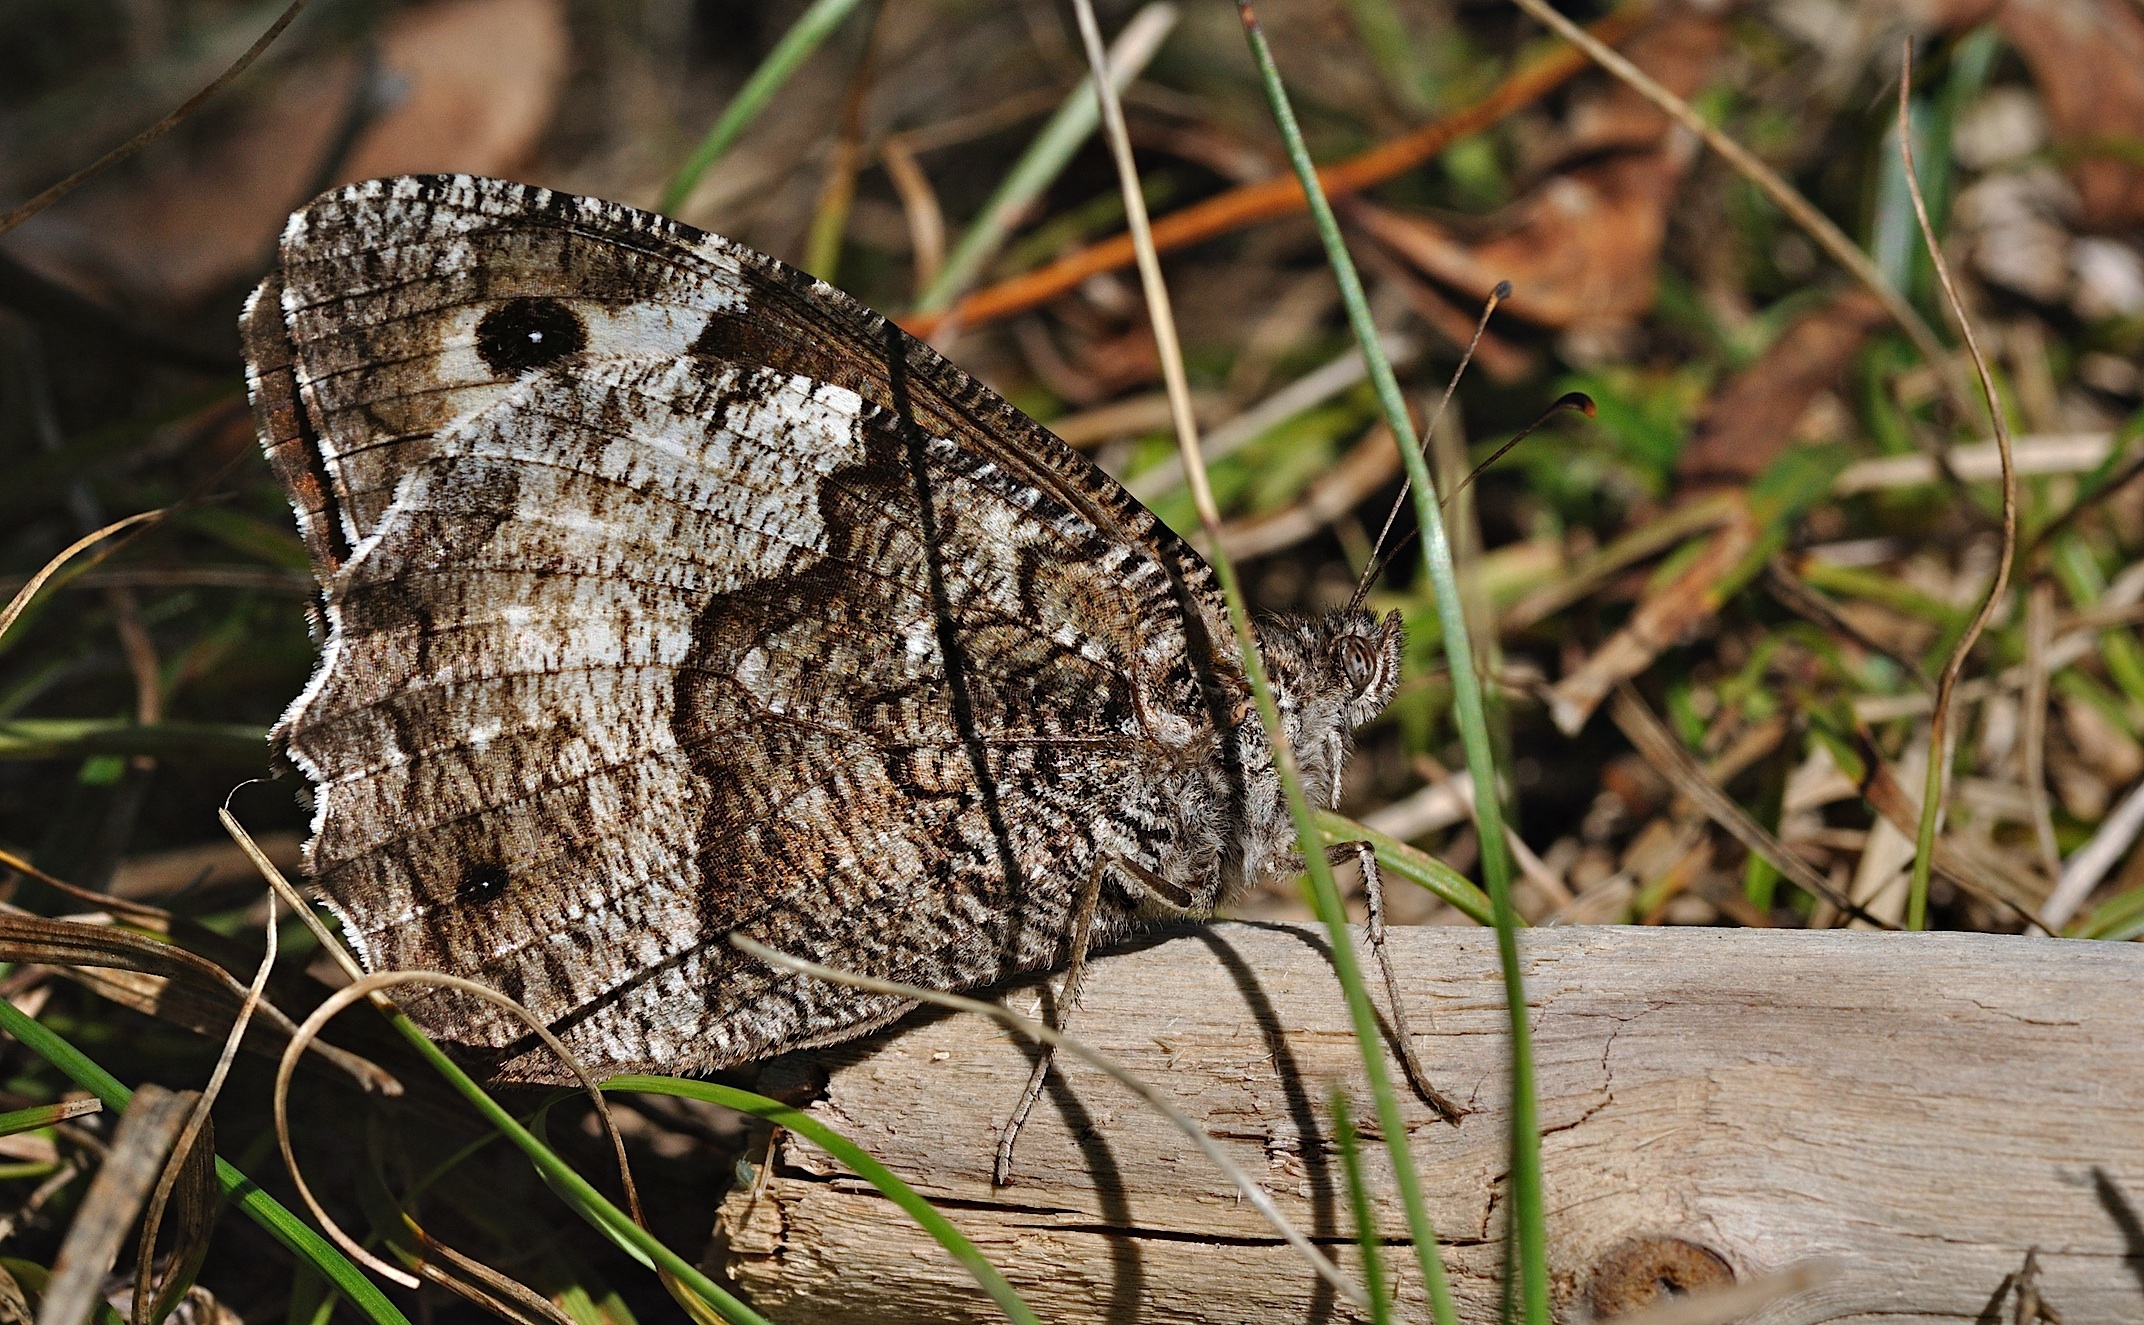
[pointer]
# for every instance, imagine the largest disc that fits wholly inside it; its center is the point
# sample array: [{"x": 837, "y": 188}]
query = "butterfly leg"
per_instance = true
[
  {"x": 1373, "y": 888},
  {"x": 1090, "y": 897}
]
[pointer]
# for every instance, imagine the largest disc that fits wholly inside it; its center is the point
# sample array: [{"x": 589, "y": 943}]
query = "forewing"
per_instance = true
[{"x": 670, "y": 594}]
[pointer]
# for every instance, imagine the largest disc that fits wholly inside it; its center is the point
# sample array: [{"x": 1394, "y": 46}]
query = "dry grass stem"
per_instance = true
[
  {"x": 365, "y": 988},
  {"x": 919, "y": 205},
  {"x": 148, "y": 1306},
  {"x": 28, "y": 592},
  {"x": 1283, "y": 195},
  {"x": 1299, "y": 397},
  {"x": 146, "y": 1130},
  {"x": 1666, "y": 754},
  {"x": 1947, "y": 682},
  {"x": 2089, "y": 864}
]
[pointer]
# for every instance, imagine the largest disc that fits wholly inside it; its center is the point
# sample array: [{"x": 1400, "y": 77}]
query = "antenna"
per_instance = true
[
  {"x": 1375, "y": 566},
  {"x": 1575, "y": 400}
]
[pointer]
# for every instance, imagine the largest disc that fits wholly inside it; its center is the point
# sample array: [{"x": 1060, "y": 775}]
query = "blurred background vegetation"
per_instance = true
[{"x": 1752, "y": 529}]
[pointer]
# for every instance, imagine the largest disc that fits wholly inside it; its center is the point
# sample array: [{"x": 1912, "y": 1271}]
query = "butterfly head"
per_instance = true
[{"x": 1331, "y": 674}]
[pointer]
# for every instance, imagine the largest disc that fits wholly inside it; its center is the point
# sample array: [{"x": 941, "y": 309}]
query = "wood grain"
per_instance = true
[{"x": 1922, "y": 1109}]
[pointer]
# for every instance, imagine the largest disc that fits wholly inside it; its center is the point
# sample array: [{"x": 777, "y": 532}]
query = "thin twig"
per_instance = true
[
  {"x": 1939, "y": 722},
  {"x": 155, "y": 131}
]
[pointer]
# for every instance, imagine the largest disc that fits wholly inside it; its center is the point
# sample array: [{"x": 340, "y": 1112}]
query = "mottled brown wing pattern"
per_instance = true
[{"x": 669, "y": 593}]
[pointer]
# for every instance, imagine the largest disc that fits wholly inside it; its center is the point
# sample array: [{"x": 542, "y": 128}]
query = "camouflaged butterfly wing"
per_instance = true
[{"x": 669, "y": 593}]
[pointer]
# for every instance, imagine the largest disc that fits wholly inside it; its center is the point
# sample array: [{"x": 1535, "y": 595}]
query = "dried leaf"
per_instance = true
[
  {"x": 1659, "y": 621},
  {"x": 1750, "y": 421},
  {"x": 162, "y": 980},
  {"x": 1580, "y": 251},
  {"x": 139, "y": 1145}
]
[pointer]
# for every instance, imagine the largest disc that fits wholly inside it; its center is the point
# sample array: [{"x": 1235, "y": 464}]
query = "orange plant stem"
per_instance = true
[{"x": 1281, "y": 195}]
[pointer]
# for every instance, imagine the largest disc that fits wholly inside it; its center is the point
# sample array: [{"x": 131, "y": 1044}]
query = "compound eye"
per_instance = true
[{"x": 1358, "y": 661}]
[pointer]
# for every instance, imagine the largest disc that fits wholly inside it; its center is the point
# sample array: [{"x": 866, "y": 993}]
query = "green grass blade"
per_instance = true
[
  {"x": 586, "y": 1201},
  {"x": 44, "y": 1115},
  {"x": 263, "y": 1209},
  {"x": 1529, "y": 1221},
  {"x": 1403, "y": 861},
  {"x": 795, "y": 47},
  {"x": 857, "y": 1161}
]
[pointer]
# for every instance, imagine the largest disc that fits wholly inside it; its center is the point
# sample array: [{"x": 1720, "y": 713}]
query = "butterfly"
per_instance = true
[{"x": 667, "y": 593}]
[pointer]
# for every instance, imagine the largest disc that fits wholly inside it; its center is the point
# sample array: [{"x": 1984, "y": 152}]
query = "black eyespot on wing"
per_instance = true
[
  {"x": 480, "y": 884},
  {"x": 523, "y": 334}
]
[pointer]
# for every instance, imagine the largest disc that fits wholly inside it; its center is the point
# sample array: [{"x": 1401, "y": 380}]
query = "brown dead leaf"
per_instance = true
[
  {"x": 1581, "y": 249},
  {"x": 2087, "y": 61},
  {"x": 1750, "y": 421},
  {"x": 472, "y": 86}
]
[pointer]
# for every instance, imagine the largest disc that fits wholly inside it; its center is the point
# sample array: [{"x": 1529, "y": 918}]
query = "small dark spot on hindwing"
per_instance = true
[
  {"x": 524, "y": 334},
  {"x": 480, "y": 883}
]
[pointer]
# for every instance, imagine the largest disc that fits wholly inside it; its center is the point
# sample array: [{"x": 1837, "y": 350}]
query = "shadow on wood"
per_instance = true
[{"x": 1921, "y": 1108}]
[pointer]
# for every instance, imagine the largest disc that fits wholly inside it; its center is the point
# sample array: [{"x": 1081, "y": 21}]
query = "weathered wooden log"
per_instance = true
[{"x": 1921, "y": 1109}]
